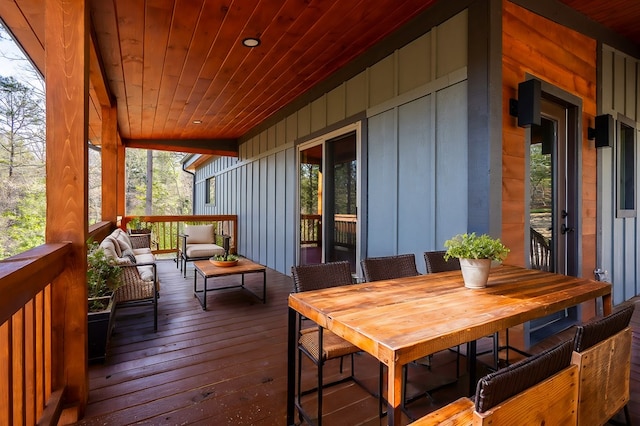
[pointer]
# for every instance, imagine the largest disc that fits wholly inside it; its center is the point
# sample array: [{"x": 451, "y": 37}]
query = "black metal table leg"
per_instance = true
[
  {"x": 472, "y": 367},
  {"x": 291, "y": 366}
]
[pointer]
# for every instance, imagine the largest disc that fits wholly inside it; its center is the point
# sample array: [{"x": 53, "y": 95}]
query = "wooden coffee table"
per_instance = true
[{"x": 208, "y": 270}]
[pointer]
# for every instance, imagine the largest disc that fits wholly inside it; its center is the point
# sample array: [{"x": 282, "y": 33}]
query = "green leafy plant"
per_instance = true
[
  {"x": 103, "y": 275},
  {"x": 227, "y": 257},
  {"x": 472, "y": 246},
  {"x": 135, "y": 223}
]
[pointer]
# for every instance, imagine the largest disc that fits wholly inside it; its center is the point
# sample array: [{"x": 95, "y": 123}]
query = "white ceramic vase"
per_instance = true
[{"x": 475, "y": 272}]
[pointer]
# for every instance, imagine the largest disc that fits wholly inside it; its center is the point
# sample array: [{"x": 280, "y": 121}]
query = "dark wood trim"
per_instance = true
[
  {"x": 570, "y": 18},
  {"x": 484, "y": 108},
  {"x": 362, "y": 117},
  {"x": 227, "y": 147}
]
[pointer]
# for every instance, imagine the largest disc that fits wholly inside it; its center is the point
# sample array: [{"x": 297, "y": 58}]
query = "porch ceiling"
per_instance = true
[{"x": 168, "y": 63}]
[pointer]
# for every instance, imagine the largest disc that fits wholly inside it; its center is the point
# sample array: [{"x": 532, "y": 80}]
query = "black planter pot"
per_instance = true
[{"x": 100, "y": 325}]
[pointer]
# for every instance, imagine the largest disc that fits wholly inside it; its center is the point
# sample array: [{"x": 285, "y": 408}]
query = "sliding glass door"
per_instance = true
[{"x": 328, "y": 198}]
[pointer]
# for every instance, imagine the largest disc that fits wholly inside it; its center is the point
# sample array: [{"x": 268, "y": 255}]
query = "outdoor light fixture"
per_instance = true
[
  {"x": 603, "y": 131},
  {"x": 251, "y": 42},
  {"x": 527, "y": 107}
]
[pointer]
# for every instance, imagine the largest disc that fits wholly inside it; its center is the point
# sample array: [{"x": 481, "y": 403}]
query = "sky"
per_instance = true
[{"x": 8, "y": 67}]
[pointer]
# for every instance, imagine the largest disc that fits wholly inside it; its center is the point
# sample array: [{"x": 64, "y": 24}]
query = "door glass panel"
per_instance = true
[
  {"x": 341, "y": 217},
  {"x": 541, "y": 194},
  {"x": 310, "y": 205}
]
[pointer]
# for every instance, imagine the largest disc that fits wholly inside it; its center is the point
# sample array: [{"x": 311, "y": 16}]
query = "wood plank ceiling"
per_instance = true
[{"x": 171, "y": 63}]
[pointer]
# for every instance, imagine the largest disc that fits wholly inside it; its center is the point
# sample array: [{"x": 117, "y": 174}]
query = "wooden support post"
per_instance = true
[{"x": 67, "y": 94}]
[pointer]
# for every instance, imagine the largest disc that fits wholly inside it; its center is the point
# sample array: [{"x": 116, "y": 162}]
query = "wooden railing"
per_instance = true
[
  {"x": 165, "y": 229},
  {"x": 344, "y": 233},
  {"x": 345, "y": 230},
  {"x": 311, "y": 230},
  {"x": 28, "y": 363}
]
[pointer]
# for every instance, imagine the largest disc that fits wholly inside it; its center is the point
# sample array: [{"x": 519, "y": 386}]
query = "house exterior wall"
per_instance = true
[
  {"x": 619, "y": 237},
  {"x": 530, "y": 46},
  {"x": 416, "y": 109}
]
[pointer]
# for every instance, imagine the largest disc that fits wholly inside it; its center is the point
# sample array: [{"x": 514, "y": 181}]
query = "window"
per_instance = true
[
  {"x": 211, "y": 191},
  {"x": 626, "y": 176}
]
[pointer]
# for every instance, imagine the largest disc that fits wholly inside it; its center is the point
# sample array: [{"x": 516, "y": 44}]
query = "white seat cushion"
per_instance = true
[
  {"x": 204, "y": 250},
  {"x": 146, "y": 272}
]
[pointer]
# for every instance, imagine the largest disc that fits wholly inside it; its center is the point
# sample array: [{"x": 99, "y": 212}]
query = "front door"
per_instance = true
[{"x": 553, "y": 207}]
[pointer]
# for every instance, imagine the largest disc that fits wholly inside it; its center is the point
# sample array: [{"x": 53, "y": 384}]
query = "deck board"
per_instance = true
[{"x": 227, "y": 365}]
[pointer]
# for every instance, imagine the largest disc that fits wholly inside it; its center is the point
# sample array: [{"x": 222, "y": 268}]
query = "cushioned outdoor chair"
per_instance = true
[
  {"x": 311, "y": 340},
  {"x": 198, "y": 242},
  {"x": 603, "y": 355}
]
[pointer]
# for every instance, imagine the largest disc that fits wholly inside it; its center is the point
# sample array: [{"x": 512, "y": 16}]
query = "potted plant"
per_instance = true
[
  {"x": 103, "y": 279},
  {"x": 476, "y": 252},
  {"x": 224, "y": 260},
  {"x": 135, "y": 226}
]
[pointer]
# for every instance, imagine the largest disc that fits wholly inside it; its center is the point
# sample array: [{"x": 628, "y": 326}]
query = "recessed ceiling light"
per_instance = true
[
  {"x": 197, "y": 121},
  {"x": 251, "y": 42}
]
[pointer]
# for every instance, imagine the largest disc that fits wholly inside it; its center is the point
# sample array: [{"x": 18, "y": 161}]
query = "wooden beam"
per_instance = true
[
  {"x": 97, "y": 75},
  {"x": 228, "y": 147},
  {"x": 67, "y": 94},
  {"x": 109, "y": 163},
  {"x": 120, "y": 178}
]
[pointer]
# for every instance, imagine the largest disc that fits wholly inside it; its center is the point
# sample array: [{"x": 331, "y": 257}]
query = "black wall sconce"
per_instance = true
[
  {"x": 603, "y": 131},
  {"x": 527, "y": 107}
]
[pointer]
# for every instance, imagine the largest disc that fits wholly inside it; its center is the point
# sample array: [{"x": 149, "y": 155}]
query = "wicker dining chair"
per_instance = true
[
  {"x": 316, "y": 277},
  {"x": 388, "y": 268},
  {"x": 540, "y": 389},
  {"x": 436, "y": 262},
  {"x": 603, "y": 354}
]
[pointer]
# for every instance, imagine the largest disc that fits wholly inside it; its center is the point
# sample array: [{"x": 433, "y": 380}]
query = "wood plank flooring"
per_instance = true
[{"x": 227, "y": 365}]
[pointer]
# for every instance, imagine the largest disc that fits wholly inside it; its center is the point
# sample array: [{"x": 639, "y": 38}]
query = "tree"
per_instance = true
[
  {"x": 22, "y": 166},
  {"x": 171, "y": 186}
]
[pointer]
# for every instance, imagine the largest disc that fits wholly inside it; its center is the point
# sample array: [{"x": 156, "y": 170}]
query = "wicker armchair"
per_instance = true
[
  {"x": 140, "y": 276},
  {"x": 136, "y": 290},
  {"x": 602, "y": 352},
  {"x": 311, "y": 340}
]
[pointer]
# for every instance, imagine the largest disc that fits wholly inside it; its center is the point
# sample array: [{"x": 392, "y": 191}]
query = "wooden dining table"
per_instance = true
[{"x": 401, "y": 320}]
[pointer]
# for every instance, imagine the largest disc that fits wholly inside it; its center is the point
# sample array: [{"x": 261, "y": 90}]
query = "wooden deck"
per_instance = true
[{"x": 227, "y": 365}]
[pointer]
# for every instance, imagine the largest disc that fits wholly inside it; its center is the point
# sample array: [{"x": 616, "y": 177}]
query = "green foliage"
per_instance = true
[
  {"x": 222, "y": 257},
  {"x": 135, "y": 223},
  {"x": 540, "y": 178},
  {"x": 22, "y": 167},
  {"x": 103, "y": 275},
  {"x": 472, "y": 246},
  {"x": 171, "y": 186}
]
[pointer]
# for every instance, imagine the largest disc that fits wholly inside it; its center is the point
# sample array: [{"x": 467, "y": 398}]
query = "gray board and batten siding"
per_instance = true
[
  {"x": 413, "y": 106},
  {"x": 618, "y": 235}
]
